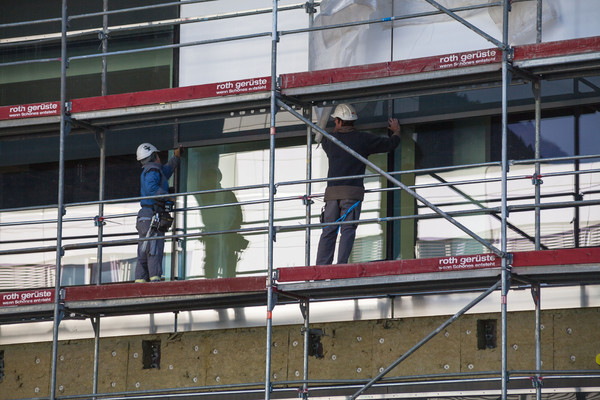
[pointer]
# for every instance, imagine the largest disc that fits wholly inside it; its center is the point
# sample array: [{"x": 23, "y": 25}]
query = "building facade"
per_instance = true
[{"x": 499, "y": 155}]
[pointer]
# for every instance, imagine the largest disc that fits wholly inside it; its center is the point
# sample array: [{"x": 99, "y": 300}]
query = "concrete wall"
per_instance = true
[{"x": 351, "y": 350}]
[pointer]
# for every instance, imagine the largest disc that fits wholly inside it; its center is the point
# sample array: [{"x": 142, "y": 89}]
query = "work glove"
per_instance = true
[{"x": 179, "y": 151}]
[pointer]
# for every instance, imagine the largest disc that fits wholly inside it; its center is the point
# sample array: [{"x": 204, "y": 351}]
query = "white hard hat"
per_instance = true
[
  {"x": 345, "y": 112},
  {"x": 145, "y": 150}
]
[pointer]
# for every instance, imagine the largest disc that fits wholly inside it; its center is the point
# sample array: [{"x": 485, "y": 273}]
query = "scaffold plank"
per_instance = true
[
  {"x": 585, "y": 255},
  {"x": 558, "y": 48},
  {"x": 171, "y": 95},
  {"x": 394, "y": 68},
  {"x": 386, "y": 268},
  {"x": 172, "y": 288},
  {"x": 324, "y": 282},
  {"x": 544, "y": 258}
]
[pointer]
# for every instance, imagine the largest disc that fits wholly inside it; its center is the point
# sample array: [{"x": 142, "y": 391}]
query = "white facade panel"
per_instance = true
[
  {"x": 363, "y": 44},
  {"x": 245, "y": 58}
]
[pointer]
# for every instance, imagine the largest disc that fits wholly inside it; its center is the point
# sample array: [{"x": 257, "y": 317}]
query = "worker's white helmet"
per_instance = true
[
  {"x": 145, "y": 150},
  {"x": 345, "y": 112}
]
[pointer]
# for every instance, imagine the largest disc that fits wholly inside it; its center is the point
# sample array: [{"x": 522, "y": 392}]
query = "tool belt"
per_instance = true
[
  {"x": 162, "y": 220},
  {"x": 165, "y": 221}
]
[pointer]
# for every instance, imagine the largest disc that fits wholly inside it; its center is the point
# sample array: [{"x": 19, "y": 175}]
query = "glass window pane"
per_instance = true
[{"x": 246, "y": 164}]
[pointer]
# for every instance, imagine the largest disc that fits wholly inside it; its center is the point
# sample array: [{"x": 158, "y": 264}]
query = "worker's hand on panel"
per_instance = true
[
  {"x": 179, "y": 151},
  {"x": 394, "y": 126}
]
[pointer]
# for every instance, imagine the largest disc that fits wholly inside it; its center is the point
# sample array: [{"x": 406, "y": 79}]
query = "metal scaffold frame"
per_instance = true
[{"x": 277, "y": 101}]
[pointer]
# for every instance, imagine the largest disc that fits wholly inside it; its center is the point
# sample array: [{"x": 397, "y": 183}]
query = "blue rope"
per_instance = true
[{"x": 343, "y": 217}]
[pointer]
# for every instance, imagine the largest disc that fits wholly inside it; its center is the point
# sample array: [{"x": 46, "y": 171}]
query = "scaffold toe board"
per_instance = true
[
  {"x": 133, "y": 298},
  {"x": 127, "y": 298},
  {"x": 470, "y": 272}
]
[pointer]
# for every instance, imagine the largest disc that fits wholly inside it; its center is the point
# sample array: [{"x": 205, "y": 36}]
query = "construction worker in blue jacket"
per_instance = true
[
  {"x": 153, "y": 181},
  {"x": 343, "y": 197}
]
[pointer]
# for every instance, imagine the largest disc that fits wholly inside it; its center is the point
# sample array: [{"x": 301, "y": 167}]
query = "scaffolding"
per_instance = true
[{"x": 296, "y": 94}]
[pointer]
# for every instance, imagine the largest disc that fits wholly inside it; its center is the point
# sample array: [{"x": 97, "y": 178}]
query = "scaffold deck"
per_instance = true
[
  {"x": 325, "y": 282},
  {"x": 404, "y": 76}
]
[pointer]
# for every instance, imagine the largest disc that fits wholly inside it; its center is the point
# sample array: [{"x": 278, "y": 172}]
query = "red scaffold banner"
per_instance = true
[
  {"x": 50, "y": 108},
  {"x": 164, "y": 96},
  {"x": 29, "y": 297},
  {"x": 392, "y": 267},
  {"x": 391, "y": 68},
  {"x": 460, "y": 263}
]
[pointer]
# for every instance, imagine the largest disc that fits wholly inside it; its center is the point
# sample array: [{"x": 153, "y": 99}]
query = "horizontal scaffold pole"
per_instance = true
[
  {"x": 389, "y": 19},
  {"x": 395, "y": 181},
  {"x": 480, "y": 205}
]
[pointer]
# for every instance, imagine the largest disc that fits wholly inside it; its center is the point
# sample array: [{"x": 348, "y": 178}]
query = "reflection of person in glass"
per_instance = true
[{"x": 222, "y": 251}]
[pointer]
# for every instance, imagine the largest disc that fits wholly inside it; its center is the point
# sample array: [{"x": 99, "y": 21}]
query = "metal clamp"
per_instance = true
[
  {"x": 304, "y": 311},
  {"x": 536, "y": 381},
  {"x": 310, "y": 8},
  {"x": 99, "y": 221},
  {"x": 103, "y": 35},
  {"x": 306, "y": 200},
  {"x": 509, "y": 260},
  {"x": 536, "y": 179},
  {"x": 510, "y": 56}
]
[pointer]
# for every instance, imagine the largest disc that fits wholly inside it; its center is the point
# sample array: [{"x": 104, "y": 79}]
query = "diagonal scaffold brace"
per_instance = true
[{"x": 426, "y": 339}]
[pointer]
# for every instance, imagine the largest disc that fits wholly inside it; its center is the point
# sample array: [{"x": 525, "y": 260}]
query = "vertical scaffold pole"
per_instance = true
[
  {"x": 306, "y": 344},
  {"x": 535, "y": 289},
  {"x": 308, "y": 115},
  {"x": 104, "y": 38},
  {"x": 270, "y": 305},
  {"x": 505, "y": 266},
  {"x": 102, "y": 143},
  {"x": 59, "y": 219},
  {"x": 576, "y": 177},
  {"x": 537, "y": 92},
  {"x": 96, "y": 326},
  {"x": 538, "y": 25},
  {"x": 537, "y": 171},
  {"x": 101, "y": 179},
  {"x": 96, "y": 323},
  {"x": 536, "y": 293}
]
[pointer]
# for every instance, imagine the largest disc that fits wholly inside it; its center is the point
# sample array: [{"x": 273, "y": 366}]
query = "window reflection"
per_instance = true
[
  {"x": 562, "y": 181},
  {"x": 223, "y": 168}
]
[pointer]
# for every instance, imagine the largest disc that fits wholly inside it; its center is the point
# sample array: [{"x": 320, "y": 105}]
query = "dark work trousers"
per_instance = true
[
  {"x": 334, "y": 210},
  {"x": 149, "y": 262}
]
